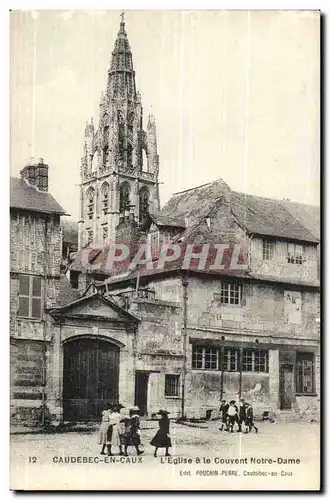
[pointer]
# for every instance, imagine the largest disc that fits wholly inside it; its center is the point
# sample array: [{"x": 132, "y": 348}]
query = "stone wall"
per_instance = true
[
  {"x": 262, "y": 309},
  {"x": 279, "y": 267},
  {"x": 35, "y": 249},
  {"x": 27, "y": 360}
]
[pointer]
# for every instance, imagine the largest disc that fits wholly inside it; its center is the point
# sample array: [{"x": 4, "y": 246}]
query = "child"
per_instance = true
[
  {"x": 232, "y": 416},
  {"x": 132, "y": 431},
  {"x": 114, "y": 430},
  {"x": 224, "y": 414},
  {"x": 103, "y": 431},
  {"x": 249, "y": 419},
  {"x": 241, "y": 414},
  {"x": 162, "y": 437}
]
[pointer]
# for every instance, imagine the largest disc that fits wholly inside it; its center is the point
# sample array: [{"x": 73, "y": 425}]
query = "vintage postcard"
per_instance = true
[{"x": 165, "y": 250}]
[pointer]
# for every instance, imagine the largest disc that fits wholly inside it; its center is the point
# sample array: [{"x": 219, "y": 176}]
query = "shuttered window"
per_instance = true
[{"x": 29, "y": 302}]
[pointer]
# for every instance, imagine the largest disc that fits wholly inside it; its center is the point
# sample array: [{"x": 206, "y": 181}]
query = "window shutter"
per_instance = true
[
  {"x": 36, "y": 308},
  {"x": 23, "y": 307},
  {"x": 36, "y": 289},
  {"x": 24, "y": 285}
]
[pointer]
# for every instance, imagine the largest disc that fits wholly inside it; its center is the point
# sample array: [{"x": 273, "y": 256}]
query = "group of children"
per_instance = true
[
  {"x": 240, "y": 413},
  {"x": 120, "y": 427}
]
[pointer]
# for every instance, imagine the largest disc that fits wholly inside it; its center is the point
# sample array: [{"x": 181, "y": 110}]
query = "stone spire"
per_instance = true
[
  {"x": 121, "y": 75},
  {"x": 120, "y": 163}
]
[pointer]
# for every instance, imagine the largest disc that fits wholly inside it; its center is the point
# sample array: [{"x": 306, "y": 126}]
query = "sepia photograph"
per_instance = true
[{"x": 165, "y": 315}]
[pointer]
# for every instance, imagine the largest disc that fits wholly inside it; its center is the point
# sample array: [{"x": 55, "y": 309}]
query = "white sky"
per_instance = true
[{"x": 235, "y": 95}]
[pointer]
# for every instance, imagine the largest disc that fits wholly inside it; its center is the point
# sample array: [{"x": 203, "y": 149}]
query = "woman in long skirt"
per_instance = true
[{"x": 162, "y": 437}]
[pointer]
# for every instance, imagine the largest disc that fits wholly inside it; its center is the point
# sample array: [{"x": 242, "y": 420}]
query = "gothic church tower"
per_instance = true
[{"x": 120, "y": 166}]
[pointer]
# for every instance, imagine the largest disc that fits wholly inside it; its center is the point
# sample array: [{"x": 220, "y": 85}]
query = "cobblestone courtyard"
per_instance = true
[{"x": 37, "y": 460}]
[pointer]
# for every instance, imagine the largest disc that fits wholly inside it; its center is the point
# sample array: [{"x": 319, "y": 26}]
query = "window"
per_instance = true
[
  {"x": 230, "y": 293},
  {"x": 125, "y": 192},
  {"x": 172, "y": 385},
  {"x": 295, "y": 253},
  {"x": 90, "y": 205},
  {"x": 304, "y": 373},
  {"x": 105, "y": 155},
  {"x": 105, "y": 232},
  {"x": 105, "y": 198},
  {"x": 230, "y": 362},
  {"x": 29, "y": 296},
  {"x": 205, "y": 358},
  {"x": 89, "y": 236},
  {"x": 292, "y": 307},
  {"x": 143, "y": 204},
  {"x": 268, "y": 249},
  {"x": 254, "y": 360}
]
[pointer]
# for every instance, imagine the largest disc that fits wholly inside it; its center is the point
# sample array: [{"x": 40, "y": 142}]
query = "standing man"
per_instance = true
[{"x": 223, "y": 411}]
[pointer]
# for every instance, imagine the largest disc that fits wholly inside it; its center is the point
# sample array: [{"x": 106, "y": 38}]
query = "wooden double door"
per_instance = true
[{"x": 90, "y": 378}]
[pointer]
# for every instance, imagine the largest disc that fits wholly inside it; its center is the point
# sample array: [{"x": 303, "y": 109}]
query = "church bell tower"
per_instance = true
[{"x": 120, "y": 165}]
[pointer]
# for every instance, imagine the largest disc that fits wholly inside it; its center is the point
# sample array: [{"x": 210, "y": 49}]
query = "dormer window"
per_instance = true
[{"x": 295, "y": 253}]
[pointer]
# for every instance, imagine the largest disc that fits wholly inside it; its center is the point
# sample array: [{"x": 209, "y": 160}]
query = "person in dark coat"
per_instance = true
[
  {"x": 241, "y": 414},
  {"x": 249, "y": 419},
  {"x": 162, "y": 437},
  {"x": 131, "y": 436},
  {"x": 223, "y": 410}
]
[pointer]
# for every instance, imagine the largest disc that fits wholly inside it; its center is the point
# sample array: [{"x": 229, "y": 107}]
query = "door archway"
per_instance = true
[{"x": 90, "y": 378}]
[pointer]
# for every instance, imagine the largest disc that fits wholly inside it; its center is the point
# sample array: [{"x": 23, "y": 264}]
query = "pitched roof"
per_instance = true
[
  {"x": 69, "y": 231},
  {"x": 163, "y": 220},
  {"x": 28, "y": 197},
  {"x": 196, "y": 202},
  {"x": 259, "y": 215},
  {"x": 308, "y": 215},
  {"x": 269, "y": 217}
]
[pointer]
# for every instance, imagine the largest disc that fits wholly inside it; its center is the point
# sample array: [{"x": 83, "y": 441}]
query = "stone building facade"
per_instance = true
[
  {"x": 35, "y": 259},
  {"x": 252, "y": 334}
]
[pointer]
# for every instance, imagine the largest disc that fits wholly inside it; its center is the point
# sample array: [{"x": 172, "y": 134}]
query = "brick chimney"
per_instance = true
[{"x": 36, "y": 173}]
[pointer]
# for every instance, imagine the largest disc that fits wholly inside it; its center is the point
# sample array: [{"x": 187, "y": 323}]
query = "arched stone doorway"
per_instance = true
[{"x": 90, "y": 378}]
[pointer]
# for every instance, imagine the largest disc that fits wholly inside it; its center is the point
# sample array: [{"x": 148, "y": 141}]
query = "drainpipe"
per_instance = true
[
  {"x": 240, "y": 370},
  {"x": 222, "y": 365},
  {"x": 184, "y": 328}
]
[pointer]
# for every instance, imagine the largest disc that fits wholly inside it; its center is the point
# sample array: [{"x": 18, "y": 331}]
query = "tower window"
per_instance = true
[
  {"x": 121, "y": 135},
  {"x": 89, "y": 236},
  {"x": 105, "y": 232},
  {"x": 125, "y": 192},
  {"x": 144, "y": 204},
  {"x": 90, "y": 205},
  {"x": 105, "y": 198},
  {"x": 105, "y": 155},
  {"x": 129, "y": 155}
]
